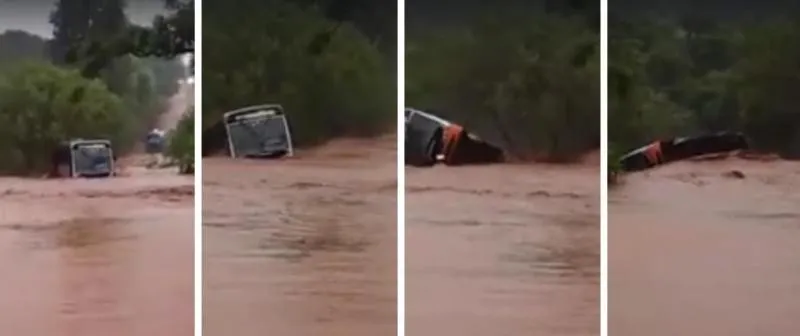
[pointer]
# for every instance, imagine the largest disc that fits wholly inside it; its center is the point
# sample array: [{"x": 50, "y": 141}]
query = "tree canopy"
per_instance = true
[
  {"x": 526, "y": 80},
  {"x": 99, "y": 76},
  {"x": 90, "y": 34},
  {"x": 674, "y": 77},
  {"x": 41, "y": 105},
  {"x": 317, "y": 60}
]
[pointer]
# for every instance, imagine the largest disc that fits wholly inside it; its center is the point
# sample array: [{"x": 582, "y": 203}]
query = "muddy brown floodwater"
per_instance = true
[
  {"x": 503, "y": 250},
  {"x": 697, "y": 250},
  {"x": 302, "y": 246},
  {"x": 97, "y": 257}
]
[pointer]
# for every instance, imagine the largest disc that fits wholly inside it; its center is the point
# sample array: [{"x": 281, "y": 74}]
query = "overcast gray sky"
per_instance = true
[{"x": 34, "y": 15}]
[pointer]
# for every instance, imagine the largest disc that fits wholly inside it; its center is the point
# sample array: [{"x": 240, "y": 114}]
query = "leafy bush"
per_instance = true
[
  {"x": 180, "y": 146},
  {"x": 41, "y": 105},
  {"x": 672, "y": 78},
  {"x": 331, "y": 79},
  {"x": 529, "y": 82}
]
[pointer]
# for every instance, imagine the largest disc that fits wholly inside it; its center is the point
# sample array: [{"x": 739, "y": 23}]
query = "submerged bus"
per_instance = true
[
  {"x": 681, "y": 148},
  {"x": 83, "y": 158},
  {"x": 260, "y": 131},
  {"x": 431, "y": 139}
]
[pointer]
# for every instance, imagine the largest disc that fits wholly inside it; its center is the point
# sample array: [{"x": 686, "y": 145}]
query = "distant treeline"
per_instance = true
[
  {"x": 331, "y": 64},
  {"x": 85, "y": 82},
  {"x": 672, "y": 77},
  {"x": 525, "y": 77}
]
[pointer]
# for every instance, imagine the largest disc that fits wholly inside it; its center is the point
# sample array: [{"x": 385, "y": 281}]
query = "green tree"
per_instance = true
[
  {"x": 525, "y": 81},
  {"x": 96, "y": 37},
  {"x": 769, "y": 75},
  {"x": 673, "y": 78},
  {"x": 336, "y": 87},
  {"x": 41, "y": 105},
  {"x": 85, "y": 23},
  {"x": 91, "y": 34},
  {"x": 181, "y": 141}
]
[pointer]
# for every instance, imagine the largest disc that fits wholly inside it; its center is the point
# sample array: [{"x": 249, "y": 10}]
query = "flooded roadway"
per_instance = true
[
  {"x": 100, "y": 257},
  {"x": 97, "y": 257},
  {"x": 697, "y": 250},
  {"x": 302, "y": 246},
  {"x": 506, "y": 250}
]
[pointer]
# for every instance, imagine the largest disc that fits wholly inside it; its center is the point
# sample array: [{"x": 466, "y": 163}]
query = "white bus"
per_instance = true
[
  {"x": 83, "y": 158},
  {"x": 260, "y": 131}
]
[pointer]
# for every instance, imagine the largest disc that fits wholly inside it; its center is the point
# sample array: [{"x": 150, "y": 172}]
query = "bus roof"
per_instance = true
[
  {"x": 89, "y": 142},
  {"x": 435, "y": 118},
  {"x": 276, "y": 108}
]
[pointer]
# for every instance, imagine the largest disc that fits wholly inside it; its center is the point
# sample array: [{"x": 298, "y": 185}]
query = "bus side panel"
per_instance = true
[{"x": 467, "y": 150}]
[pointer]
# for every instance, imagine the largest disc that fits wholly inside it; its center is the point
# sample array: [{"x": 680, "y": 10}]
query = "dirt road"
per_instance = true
[
  {"x": 176, "y": 107},
  {"x": 506, "y": 250},
  {"x": 697, "y": 250},
  {"x": 302, "y": 246},
  {"x": 97, "y": 257}
]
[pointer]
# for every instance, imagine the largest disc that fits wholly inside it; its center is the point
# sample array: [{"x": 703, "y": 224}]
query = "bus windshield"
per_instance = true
[
  {"x": 258, "y": 134},
  {"x": 92, "y": 159}
]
